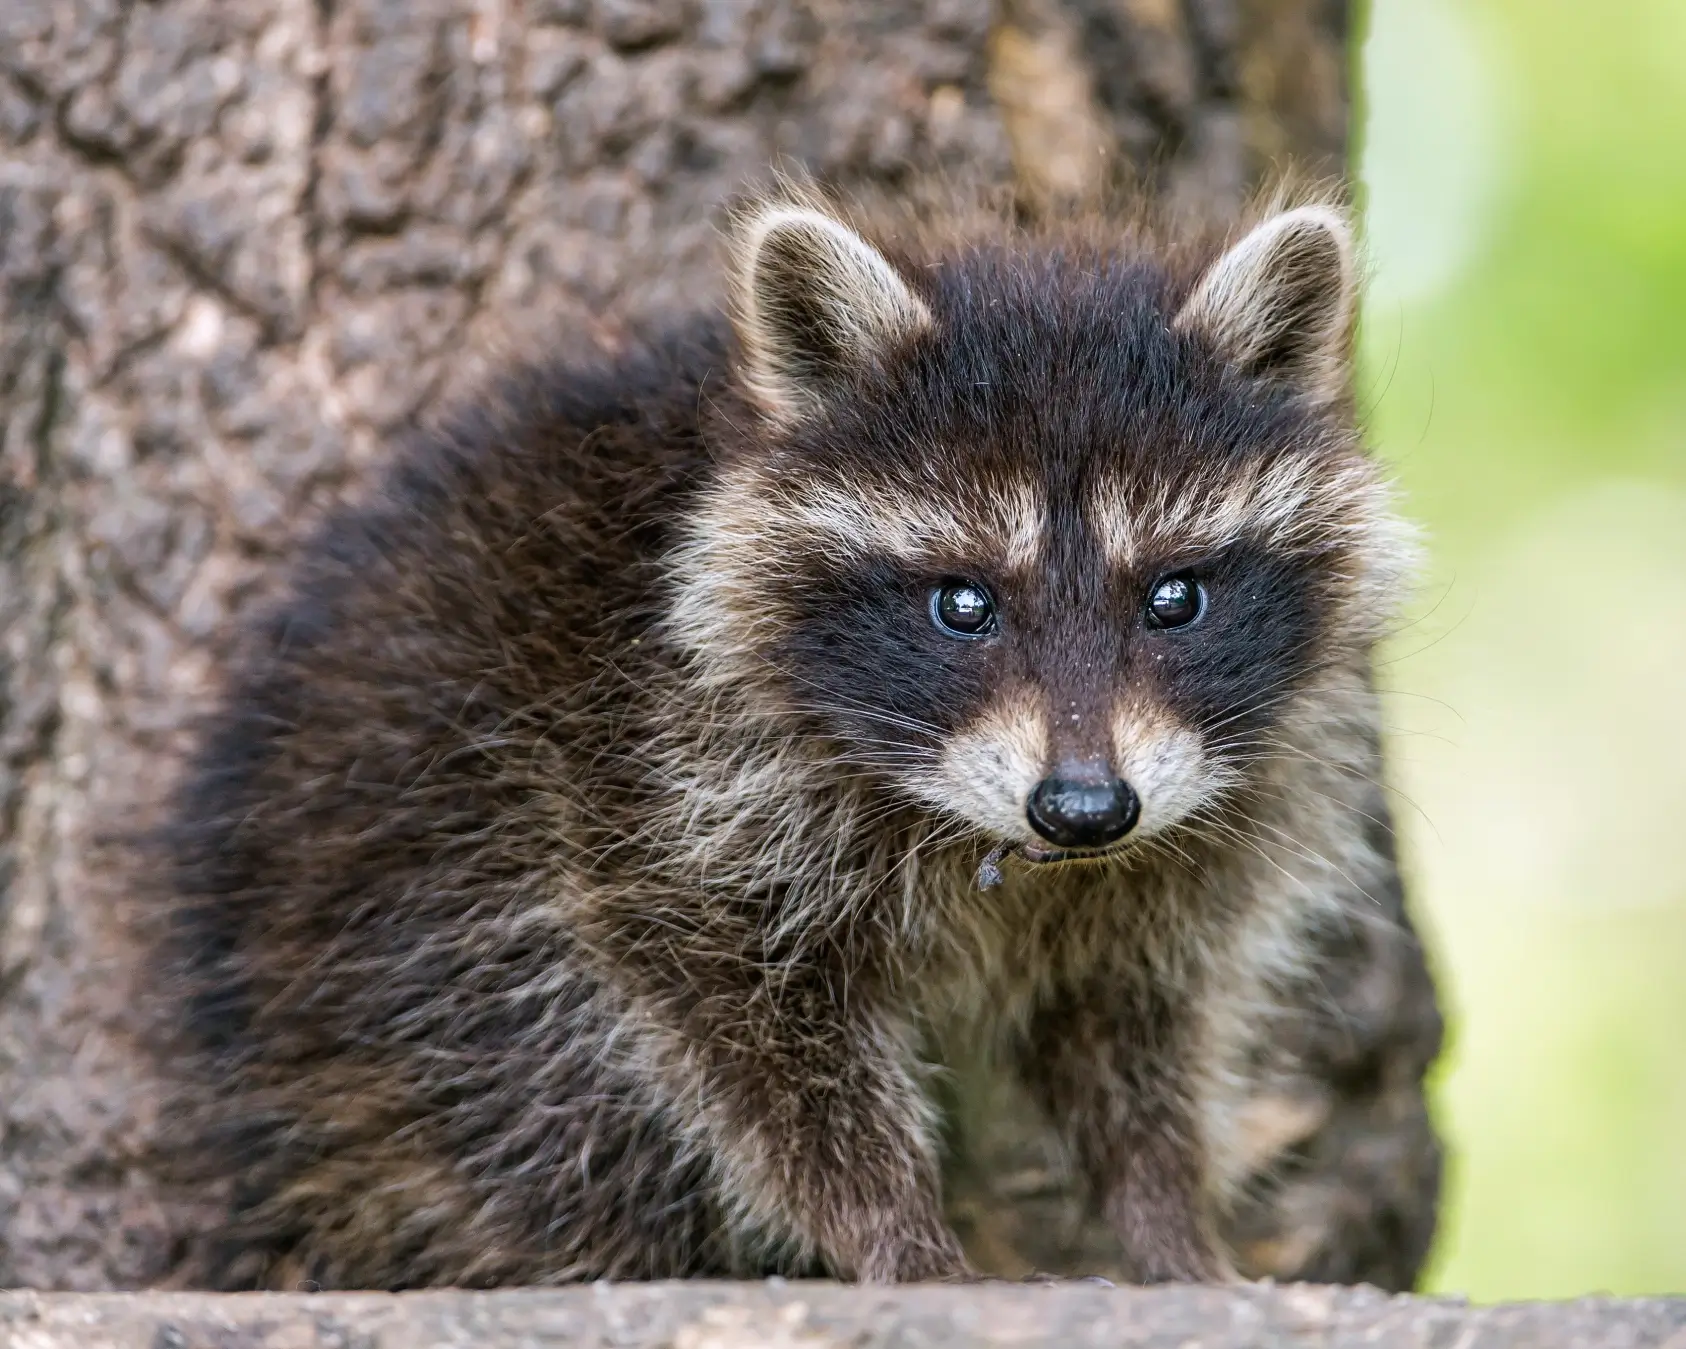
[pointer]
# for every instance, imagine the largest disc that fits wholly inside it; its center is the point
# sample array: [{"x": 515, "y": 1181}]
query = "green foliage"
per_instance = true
[{"x": 1525, "y": 360}]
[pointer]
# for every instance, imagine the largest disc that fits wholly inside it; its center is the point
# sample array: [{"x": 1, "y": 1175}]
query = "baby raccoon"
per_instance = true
[{"x": 968, "y": 643}]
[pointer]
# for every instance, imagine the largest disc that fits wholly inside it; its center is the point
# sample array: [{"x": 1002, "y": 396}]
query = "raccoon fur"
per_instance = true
[{"x": 965, "y": 640}]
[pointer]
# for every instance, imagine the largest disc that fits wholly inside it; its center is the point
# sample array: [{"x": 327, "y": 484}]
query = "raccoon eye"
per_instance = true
[
  {"x": 963, "y": 609},
  {"x": 1176, "y": 602}
]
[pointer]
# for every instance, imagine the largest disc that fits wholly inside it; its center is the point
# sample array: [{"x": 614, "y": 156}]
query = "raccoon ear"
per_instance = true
[
  {"x": 815, "y": 301},
  {"x": 1280, "y": 302}
]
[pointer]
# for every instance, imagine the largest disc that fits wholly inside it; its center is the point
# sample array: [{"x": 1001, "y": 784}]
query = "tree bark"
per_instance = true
[{"x": 244, "y": 241}]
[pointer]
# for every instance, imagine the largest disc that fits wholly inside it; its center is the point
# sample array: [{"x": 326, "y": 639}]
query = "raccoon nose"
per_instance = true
[{"x": 1074, "y": 813}]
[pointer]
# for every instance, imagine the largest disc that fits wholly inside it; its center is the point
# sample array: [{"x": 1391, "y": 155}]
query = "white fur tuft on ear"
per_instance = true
[
  {"x": 814, "y": 301},
  {"x": 1280, "y": 302}
]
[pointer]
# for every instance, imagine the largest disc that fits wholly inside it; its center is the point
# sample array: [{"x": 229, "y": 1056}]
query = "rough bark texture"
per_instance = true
[
  {"x": 824, "y": 1316},
  {"x": 242, "y": 241}
]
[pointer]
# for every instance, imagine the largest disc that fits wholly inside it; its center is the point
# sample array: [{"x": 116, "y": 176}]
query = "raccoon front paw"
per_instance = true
[
  {"x": 933, "y": 1257},
  {"x": 1189, "y": 1267}
]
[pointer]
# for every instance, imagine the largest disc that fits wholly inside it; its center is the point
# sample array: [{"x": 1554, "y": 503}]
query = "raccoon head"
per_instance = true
[{"x": 1044, "y": 536}]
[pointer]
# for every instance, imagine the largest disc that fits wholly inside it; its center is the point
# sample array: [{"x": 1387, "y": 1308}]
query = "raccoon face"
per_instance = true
[{"x": 1046, "y": 540}]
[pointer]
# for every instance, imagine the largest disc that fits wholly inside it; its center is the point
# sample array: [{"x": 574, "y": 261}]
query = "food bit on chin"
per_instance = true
[{"x": 989, "y": 870}]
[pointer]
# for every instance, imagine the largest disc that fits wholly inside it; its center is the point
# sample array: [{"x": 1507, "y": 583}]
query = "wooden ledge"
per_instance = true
[{"x": 778, "y": 1315}]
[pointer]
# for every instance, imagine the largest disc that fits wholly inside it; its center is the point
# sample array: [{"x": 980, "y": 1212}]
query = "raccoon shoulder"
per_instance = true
[
  {"x": 375, "y": 720},
  {"x": 506, "y": 535}
]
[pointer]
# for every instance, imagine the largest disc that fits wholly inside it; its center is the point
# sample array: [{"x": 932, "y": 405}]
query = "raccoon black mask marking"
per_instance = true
[{"x": 585, "y": 853}]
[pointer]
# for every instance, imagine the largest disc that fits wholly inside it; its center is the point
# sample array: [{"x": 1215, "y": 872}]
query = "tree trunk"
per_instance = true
[{"x": 243, "y": 241}]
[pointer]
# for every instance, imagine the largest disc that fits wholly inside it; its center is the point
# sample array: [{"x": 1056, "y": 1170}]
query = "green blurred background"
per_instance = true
[{"x": 1524, "y": 163}]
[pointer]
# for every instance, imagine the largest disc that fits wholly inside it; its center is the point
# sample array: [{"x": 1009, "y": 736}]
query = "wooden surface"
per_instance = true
[{"x": 825, "y": 1316}]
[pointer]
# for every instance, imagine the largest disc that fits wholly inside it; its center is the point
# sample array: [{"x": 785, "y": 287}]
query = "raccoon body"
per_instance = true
[{"x": 581, "y": 875}]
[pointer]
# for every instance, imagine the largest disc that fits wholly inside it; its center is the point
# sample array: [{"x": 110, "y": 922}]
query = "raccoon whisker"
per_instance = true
[
  {"x": 1351, "y": 771},
  {"x": 1418, "y": 620},
  {"x": 1287, "y": 798},
  {"x": 871, "y": 714},
  {"x": 1274, "y": 751},
  {"x": 1305, "y": 853},
  {"x": 1398, "y": 732},
  {"x": 1278, "y": 694},
  {"x": 948, "y": 834},
  {"x": 853, "y": 737},
  {"x": 1258, "y": 846},
  {"x": 1274, "y": 741},
  {"x": 1274, "y": 695},
  {"x": 1387, "y": 694},
  {"x": 870, "y": 774},
  {"x": 893, "y": 750},
  {"x": 1263, "y": 707},
  {"x": 835, "y": 701},
  {"x": 1245, "y": 751},
  {"x": 1170, "y": 845}
]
